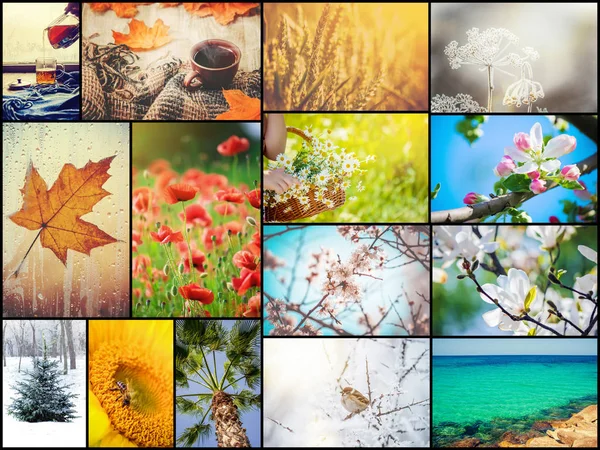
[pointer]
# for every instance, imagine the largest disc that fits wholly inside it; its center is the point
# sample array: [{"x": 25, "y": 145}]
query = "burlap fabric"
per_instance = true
[
  {"x": 176, "y": 102},
  {"x": 154, "y": 94}
]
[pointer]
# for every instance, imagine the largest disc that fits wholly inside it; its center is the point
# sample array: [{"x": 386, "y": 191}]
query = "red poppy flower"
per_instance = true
[
  {"x": 244, "y": 259},
  {"x": 253, "y": 306},
  {"x": 179, "y": 193},
  {"x": 141, "y": 200},
  {"x": 248, "y": 278},
  {"x": 230, "y": 195},
  {"x": 196, "y": 215},
  {"x": 136, "y": 239},
  {"x": 198, "y": 260},
  {"x": 207, "y": 314},
  {"x": 233, "y": 146},
  {"x": 165, "y": 234},
  {"x": 207, "y": 237},
  {"x": 139, "y": 264},
  {"x": 254, "y": 198},
  {"x": 254, "y": 246},
  {"x": 234, "y": 227},
  {"x": 196, "y": 292},
  {"x": 225, "y": 209},
  {"x": 215, "y": 179},
  {"x": 162, "y": 181},
  {"x": 137, "y": 292},
  {"x": 158, "y": 166}
]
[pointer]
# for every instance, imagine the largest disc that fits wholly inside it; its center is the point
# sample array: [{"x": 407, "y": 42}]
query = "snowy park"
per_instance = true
[{"x": 18, "y": 361}]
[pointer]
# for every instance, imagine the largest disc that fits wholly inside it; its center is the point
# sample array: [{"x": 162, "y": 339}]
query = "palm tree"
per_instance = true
[{"x": 197, "y": 345}]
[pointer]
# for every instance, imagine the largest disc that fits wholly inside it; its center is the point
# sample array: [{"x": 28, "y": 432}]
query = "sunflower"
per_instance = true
[{"x": 139, "y": 355}]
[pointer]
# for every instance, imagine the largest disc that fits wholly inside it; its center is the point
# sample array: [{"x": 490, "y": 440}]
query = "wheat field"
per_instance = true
[{"x": 346, "y": 56}]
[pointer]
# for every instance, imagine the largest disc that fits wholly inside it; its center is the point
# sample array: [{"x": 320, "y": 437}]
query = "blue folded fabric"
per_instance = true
[{"x": 45, "y": 102}]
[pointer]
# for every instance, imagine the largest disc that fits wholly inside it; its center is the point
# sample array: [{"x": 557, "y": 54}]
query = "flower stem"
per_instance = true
[
  {"x": 490, "y": 88},
  {"x": 187, "y": 241}
]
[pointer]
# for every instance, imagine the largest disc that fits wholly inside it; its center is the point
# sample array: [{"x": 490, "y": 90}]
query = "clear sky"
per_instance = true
[
  {"x": 461, "y": 169},
  {"x": 251, "y": 420},
  {"x": 514, "y": 346}
]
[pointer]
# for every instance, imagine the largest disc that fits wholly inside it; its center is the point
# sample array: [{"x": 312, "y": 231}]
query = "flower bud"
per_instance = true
[
  {"x": 181, "y": 268},
  {"x": 472, "y": 198},
  {"x": 157, "y": 225},
  {"x": 534, "y": 175},
  {"x": 166, "y": 269},
  {"x": 174, "y": 291},
  {"x": 522, "y": 141},
  {"x": 538, "y": 186},
  {"x": 251, "y": 221},
  {"x": 203, "y": 275},
  {"x": 582, "y": 194},
  {"x": 570, "y": 172},
  {"x": 505, "y": 166},
  {"x": 553, "y": 278},
  {"x": 554, "y": 219}
]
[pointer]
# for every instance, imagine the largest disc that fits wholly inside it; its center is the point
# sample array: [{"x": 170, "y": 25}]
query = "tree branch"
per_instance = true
[
  {"x": 588, "y": 125},
  {"x": 498, "y": 204}
]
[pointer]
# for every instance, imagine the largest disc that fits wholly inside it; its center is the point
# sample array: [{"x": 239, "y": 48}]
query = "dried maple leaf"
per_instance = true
[
  {"x": 141, "y": 38},
  {"x": 241, "y": 107},
  {"x": 223, "y": 13},
  {"x": 123, "y": 10},
  {"x": 57, "y": 212}
]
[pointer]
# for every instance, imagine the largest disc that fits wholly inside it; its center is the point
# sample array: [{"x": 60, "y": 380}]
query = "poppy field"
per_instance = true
[{"x": 196, "y": 220}]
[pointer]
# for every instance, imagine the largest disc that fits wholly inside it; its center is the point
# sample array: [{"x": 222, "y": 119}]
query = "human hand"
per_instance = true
[
  {"x": 72, "y": 8},
  {"x": 279, "y": 181}
]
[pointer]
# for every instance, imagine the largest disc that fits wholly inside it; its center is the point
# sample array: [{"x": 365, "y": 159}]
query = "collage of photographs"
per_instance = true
[{"x": 284, "y": 224}]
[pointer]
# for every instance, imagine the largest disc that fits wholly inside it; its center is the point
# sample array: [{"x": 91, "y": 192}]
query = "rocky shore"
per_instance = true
[{"x": 581, "y": 430}]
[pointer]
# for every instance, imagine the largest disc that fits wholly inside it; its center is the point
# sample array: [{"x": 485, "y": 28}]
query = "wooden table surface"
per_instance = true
[{"x": 185, "y": 29}]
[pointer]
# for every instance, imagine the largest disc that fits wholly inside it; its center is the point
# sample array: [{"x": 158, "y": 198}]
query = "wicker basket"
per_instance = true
[{"x": 293, "y": 210}]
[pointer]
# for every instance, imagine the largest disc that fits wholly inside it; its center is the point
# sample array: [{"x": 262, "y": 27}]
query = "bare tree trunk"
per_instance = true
[
  {"x": 21, "y": 343},
  {"x": 69, "y": 329},
  {"x": 4, "y": 341},
  {"x": 32, "y": 325},
  {"x": 228, "y": 426},
  {"x": 64, "y": 346}
]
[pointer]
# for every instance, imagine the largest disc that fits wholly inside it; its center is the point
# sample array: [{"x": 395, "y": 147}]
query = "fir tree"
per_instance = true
[{"x": 42, "y": 397}]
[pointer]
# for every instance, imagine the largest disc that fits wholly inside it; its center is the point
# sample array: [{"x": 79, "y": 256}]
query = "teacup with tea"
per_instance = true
[
  {"x": 214, "y": 64},
  {"x": 45, "y": 70}
]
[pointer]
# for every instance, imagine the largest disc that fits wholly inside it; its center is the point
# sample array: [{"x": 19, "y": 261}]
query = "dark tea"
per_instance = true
[
  {"x": 45, "y": 76},
  {"x": 215, "y": 57},
  {"x": 62, "y": 36}
]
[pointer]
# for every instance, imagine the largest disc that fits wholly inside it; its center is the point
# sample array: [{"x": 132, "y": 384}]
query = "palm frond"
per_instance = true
[
  {"x": 243, "y": 340},
  {"x": 186, "y": 406},
  {"x": 246, "y": 400},
  {"x": 191, "y": 435}
]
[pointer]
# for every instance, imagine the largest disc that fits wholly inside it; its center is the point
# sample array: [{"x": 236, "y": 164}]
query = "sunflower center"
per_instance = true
[{"x": 147, "y": 418}]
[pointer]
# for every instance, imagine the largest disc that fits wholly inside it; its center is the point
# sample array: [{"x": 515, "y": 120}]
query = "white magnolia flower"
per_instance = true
[
  {"x": 439, "y": 275},
  {"x": 524, "y": 91},
  {"x": 590, "y": 254},
  {"x": 548, "y": 235},
  {"x": 453, "y": 242},
  {"x": 540, "y": 156},
  {"x": 510, "y": 292}
]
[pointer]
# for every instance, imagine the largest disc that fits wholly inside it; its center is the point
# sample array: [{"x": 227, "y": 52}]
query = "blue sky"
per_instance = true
[
  {"x": 514, "y": 346},
  {"x": 251, "y": 420},
  {"x": 461, "y": 168}
]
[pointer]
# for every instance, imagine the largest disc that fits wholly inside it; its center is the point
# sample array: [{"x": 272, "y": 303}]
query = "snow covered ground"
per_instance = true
[{"x": 43, "y": 434}]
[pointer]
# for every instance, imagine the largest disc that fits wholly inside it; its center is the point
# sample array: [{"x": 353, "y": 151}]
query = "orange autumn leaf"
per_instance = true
[
  {"x": 57, "y": 212},
  {"x": 241, "y": 107},
  {"x": 223, "y": 13},
  {"x": 141, "y": 38},
  {"x": 123, "y": 10},
  {"x": 169, "y": 5}
]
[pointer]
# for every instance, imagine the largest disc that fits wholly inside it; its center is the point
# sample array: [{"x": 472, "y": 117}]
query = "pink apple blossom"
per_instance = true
[
  {"x": 554, "y": 219},
  {"x": 534, "y": 175},
  {"x": 505, "y": 166},
  {"x": 570, "y": 172},
  {"x": 522, "y": 141},
  {"x": 472, "y": 198},
  {"x": 537, "y": 186}
]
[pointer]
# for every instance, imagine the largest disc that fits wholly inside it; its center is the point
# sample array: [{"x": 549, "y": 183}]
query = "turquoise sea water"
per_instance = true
[{"x": 483, "y": 396}]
